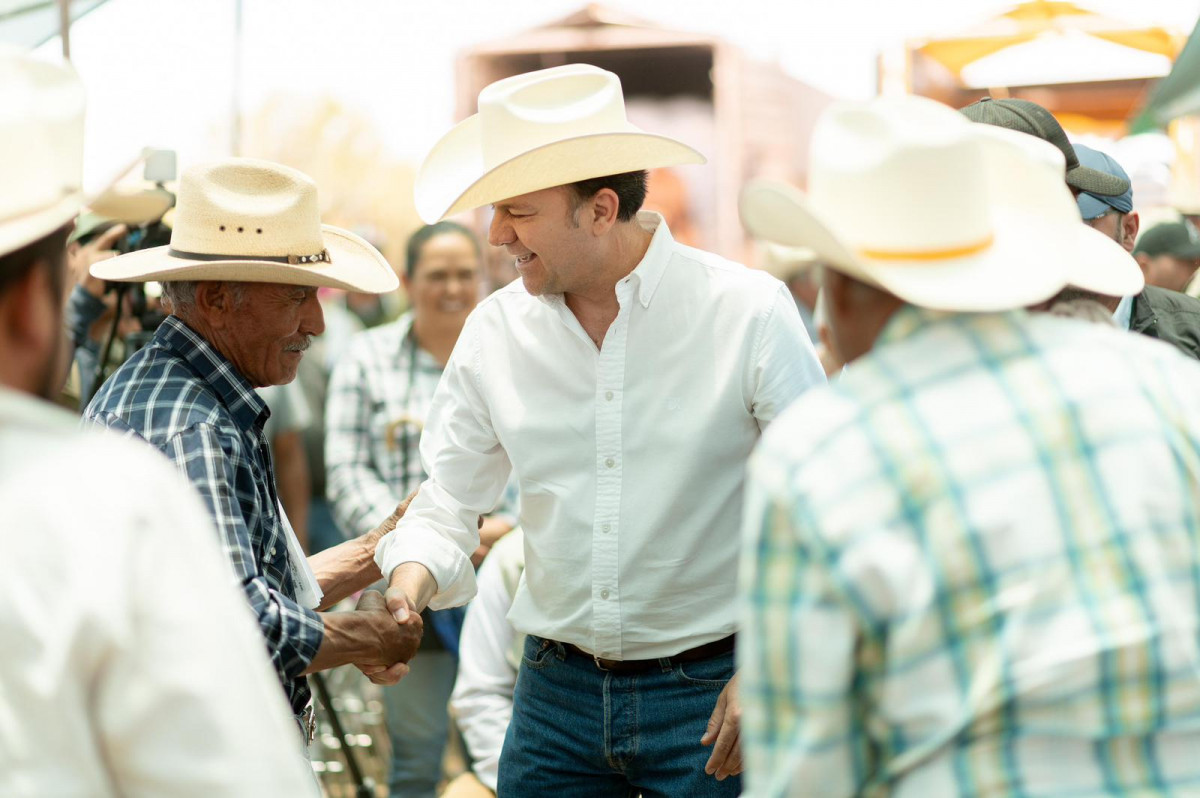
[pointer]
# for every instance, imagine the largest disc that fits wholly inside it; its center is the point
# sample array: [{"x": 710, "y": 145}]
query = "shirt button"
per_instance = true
[
  {"x": 606, "y": 528},
  {"x": 610, "y": 462},
  {"x": 603, "y": 594},
  {"x": 271, "y": 553},
  {"x": 608, "y": 395}
]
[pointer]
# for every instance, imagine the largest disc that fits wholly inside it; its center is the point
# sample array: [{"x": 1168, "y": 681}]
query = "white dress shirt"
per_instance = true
[
  {"x": 131, "y": 663},
  {"x": 489, "y": 655},
  {"x": 630, "y": 458}
]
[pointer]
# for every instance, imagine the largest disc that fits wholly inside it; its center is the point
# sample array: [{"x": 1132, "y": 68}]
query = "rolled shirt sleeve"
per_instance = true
[
  {"x": 292, "y": 633},
  {"x": 467, "y": 468}
]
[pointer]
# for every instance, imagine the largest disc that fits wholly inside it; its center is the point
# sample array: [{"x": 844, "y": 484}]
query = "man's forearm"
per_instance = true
[
  {"x": 417, "y": 583},
  {"x": 346, "y": 568}
]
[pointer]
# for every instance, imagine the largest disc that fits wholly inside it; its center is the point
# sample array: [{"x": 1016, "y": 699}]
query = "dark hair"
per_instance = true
[
  {"x": 417, "y": 241},
  {"x": 49, "y": 251},
  {"x": 630, "y": 188}
]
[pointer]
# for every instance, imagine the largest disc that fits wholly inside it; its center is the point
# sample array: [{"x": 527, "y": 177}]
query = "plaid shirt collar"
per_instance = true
[
  {"x": 910, "y": 320},
  {"x": 236, "y": 393}
]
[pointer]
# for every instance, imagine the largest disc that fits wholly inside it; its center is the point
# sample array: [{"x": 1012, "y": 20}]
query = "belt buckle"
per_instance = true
[{"x": 599, "y": 663}]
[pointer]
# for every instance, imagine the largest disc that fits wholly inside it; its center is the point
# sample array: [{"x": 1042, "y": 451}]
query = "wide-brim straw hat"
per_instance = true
[
  {"x": 254, "y": 221},
  {"x": 41, "y": 148},
  {"x": 908, "y": 195},
  {"x": 534, "y": 131}
]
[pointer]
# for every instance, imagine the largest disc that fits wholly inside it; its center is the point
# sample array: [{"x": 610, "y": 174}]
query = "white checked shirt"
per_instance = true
[{"x": 630, "y": 459}]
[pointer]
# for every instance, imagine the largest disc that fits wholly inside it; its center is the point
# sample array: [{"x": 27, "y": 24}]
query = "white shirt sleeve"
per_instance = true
[
  {"x": 187, "y": 703},
  {"x": 467, "y": 470},
  {"x": 483, "y": 693},
  {"x": 784, "y": 364}
]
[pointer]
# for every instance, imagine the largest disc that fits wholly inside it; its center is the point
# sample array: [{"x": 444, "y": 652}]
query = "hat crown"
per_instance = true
[
  {"x": 539, "y": 108},
  {"x": 904, "y": 179},
  {"x": 244, "y": 207},
  {"x": 41, "y": 135}
]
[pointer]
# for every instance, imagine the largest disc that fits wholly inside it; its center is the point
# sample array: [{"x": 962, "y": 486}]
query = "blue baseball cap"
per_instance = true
[{"x": 1093, "y": 206}]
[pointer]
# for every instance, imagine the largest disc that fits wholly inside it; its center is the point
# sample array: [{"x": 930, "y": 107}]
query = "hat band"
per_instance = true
[
  {"x": 294, "y": 260},
  {"x": 928, "y": 254}
]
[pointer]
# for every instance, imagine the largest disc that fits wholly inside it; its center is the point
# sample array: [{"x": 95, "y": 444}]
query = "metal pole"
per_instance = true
[
  {"x": 363, "y": 787},
  {"x": 64, "y": 27},
  {"x": 235, "y": 132}
]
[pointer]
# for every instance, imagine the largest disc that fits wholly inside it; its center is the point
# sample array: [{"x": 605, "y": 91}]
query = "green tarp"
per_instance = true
[{"x": 1178, "y": 94}]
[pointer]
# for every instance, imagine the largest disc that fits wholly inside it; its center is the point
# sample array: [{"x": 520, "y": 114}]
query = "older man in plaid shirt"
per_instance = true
[
  {"x": 971, "y": 564},
  {"x": 247, "y": 252}
]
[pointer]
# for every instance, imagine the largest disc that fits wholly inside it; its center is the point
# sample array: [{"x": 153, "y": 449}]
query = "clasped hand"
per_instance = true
[{"x": 398, "y": 642}]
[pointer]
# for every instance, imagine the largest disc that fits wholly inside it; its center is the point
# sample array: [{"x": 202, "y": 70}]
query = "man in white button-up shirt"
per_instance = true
[
  {"x": 624, "y": 379},
  {"x": 130, "y": 664}
]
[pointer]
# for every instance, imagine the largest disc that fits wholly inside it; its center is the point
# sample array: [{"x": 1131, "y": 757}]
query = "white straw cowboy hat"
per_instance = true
[
  {"x": 908, "y": 195},
  {"x": 254, "y": 221},
  {"x": 534, "y": 131},
  {"x": 41, "y": 148}
]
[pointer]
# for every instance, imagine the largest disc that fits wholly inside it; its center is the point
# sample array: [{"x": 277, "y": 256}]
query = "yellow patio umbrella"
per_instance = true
[{"x": 1039, "y": 19}]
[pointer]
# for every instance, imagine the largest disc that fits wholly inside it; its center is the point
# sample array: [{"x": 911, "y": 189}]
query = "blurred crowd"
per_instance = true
[{"x": 910, "y": 508}]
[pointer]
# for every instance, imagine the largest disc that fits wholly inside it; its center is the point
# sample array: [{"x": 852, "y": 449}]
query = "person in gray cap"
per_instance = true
[
  {"x": 1155, "y": 311},
  {"x": 1029, "y": 117},
  {"x": 1169, "y": 254},
  {"x": 1112, "y": 215}
]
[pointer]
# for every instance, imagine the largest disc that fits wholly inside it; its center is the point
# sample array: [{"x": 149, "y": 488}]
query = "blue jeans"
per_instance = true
[
  {"x": 418, "y": 724},
  {"x": 579, "y": 731}
]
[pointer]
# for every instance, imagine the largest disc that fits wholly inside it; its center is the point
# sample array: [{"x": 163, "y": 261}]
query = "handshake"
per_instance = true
[{"x": 392, "y": 644}]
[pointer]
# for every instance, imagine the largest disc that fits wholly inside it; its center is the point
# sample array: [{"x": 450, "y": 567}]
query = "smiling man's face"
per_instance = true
[
  {"x": 540, "y": 230},
  {"x": 267, "y": 332}
]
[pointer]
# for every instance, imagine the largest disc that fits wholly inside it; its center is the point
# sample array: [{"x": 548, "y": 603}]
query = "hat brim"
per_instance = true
[
  {"x": 1094, "y": 181},
  {"x": 354, "y": 265},
  {"x": 132, "y": 207},
  {"x": 23, "y": 230},
  {"x": 1025, "y": 264},
  {"x": 454, "y": 178}
]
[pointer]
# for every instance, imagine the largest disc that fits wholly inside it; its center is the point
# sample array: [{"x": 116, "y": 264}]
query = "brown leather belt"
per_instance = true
[{"x": 707, "y": 651}]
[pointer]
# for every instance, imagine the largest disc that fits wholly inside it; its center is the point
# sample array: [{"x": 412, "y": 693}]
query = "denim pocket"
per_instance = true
[
  {"x": 538, "y": 652},
  {"x": 714, "y": 672}
]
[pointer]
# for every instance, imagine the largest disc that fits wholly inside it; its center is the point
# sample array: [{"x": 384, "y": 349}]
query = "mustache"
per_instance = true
[{"x": 299, "y": 346}]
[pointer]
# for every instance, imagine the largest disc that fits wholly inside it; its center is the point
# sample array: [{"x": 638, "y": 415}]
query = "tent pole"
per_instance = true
[{"x": 64, "y": 26}]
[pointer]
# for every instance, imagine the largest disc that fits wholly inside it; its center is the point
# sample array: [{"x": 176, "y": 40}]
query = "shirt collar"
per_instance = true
[
  {"x": 907, "y": 322},
  {"x": 26, "y": 411},
  {"x": 1123, "y": 315},
  {"x": 650, "y": 270},
  {"x": 234, "y": 390}
]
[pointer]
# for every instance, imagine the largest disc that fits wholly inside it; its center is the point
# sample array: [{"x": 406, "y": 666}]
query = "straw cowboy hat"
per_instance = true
[
  {"x": 41, "y": 148},
  {"x": 534, "y": 131},
  {"x": 910, "y": 196},
  {"x": 254, "y": 221}
]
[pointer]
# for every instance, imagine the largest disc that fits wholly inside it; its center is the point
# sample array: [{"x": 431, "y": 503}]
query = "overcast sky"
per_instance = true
[{"x": 159, "y": 72}]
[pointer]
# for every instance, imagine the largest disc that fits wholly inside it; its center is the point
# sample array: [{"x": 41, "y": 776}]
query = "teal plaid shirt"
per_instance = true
[{"x": 972, "y": 568}]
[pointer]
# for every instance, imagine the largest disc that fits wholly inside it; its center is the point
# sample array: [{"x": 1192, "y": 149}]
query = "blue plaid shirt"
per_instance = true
[
  {"x": 972, "y": 568},
  {"x": 185, "y": 399}
]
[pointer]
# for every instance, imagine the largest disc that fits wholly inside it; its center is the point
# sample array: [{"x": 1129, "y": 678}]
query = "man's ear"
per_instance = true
[
  {"x": 30, "y": 311},
  {"x": 214, "y": 299},
  {"x": 1130, "y": 225},
  {"x": 604, "y": 208}
]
